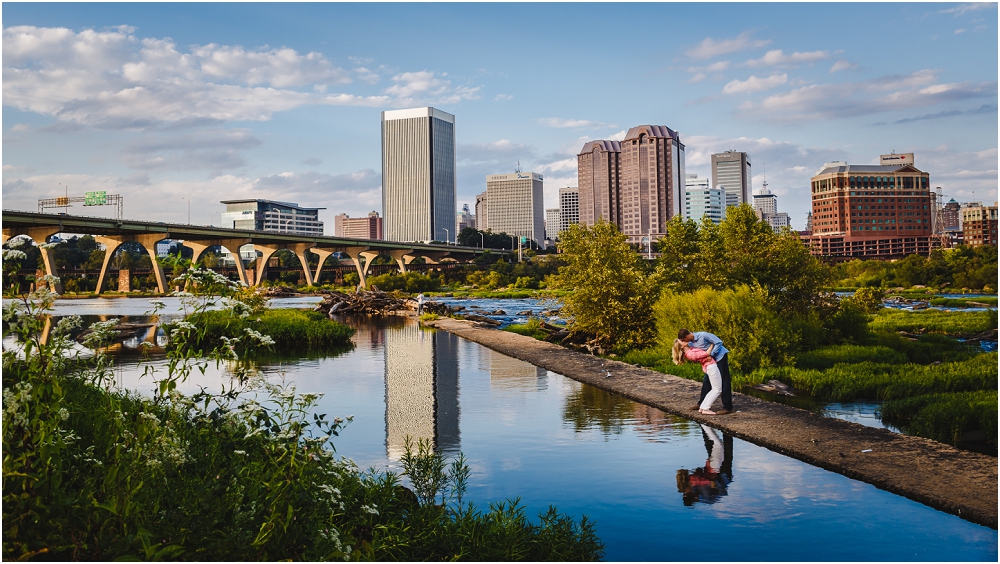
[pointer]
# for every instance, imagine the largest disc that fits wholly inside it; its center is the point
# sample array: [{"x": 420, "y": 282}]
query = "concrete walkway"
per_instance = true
[{"x": 948, "y": 479}]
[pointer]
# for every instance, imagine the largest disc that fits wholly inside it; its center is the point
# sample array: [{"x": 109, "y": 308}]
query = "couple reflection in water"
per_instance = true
[{"x": 710, "y": 482}]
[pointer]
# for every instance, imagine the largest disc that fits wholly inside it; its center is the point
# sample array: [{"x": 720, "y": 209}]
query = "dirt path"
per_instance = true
[{"x": 958, "y": 482}]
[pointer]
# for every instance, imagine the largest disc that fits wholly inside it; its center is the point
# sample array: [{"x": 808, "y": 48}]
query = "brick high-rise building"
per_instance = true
[
  {"x": 599, "y": 178},
  {"x": 871, "y": 211},
  {"x": 369, "y": 227},
  {"x": 652, "y": 181},
  {"x": 979, "y": 224},
  {"x": 951, "y": 216}
]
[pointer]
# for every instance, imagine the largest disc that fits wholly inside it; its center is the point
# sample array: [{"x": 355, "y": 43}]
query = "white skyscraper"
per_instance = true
[
  {"x": 418, "y": 175},
  {"x": 515, "y": 206},
  {"x": 569, "y": 207},
  {"x": 551, "y": 223},
  {"x": 701, "y": 200}
]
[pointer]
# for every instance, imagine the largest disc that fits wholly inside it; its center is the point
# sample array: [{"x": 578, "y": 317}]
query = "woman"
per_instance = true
[{"x": 683, "y": 350}]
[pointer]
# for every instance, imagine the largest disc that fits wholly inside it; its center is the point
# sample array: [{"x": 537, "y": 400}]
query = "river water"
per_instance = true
[{"x": 658, "y": 486}]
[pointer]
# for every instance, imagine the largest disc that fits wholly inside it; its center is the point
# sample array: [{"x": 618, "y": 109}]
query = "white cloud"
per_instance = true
[
  {"x": 504, "y": 97},
  {"x": 21, "y": 127},
  {"x": 842, "y": 64},
  {"x": 426, "y": 86},
  {"x": 968, "y": 7},
  {"x": 572, "y": 123},
  {"x": 709, "y": 47},
  {"x": 887, "y": 93},
  {"x": 698, "y": 77},
  {"x": 113, "y": 79},
  {"x": 778, "y": 57},
  {"x": 618, "y": 136},
  {"x": 205, "y": 149},
  {"x": 960, "y": 31},
  {"x": 755, "y": 84},
  {"x": 493, "y": 152}
]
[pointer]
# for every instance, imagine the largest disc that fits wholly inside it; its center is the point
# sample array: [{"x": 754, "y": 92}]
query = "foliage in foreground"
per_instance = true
[
  {"x": 291, "y": 330},
  {"x": 94, "y": 473}
]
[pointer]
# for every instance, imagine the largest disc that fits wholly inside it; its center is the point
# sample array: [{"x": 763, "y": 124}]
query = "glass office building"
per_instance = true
[{"x": 418, "y": 175}]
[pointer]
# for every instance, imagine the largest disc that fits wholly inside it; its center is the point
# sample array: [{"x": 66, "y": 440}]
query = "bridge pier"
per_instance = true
[
  {"x": 148, "y": 242},
  {"x": 299, "y": 249},
  {"x": 403, "y": 258},
  {"x": 358, "y": 253},
  {"x": 323, "y": 254},
  {"x": 232, "y": 245},
  {"x": 40, "y": 236}
]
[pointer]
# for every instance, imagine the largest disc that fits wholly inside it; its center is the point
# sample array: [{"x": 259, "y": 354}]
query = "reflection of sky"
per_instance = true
[{"x": 519, "y": 444}]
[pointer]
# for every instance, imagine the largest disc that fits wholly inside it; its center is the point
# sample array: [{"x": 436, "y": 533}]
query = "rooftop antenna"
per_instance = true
[
  {"x": 763, "y": 167},
  {"x": 518, "y": 169}
]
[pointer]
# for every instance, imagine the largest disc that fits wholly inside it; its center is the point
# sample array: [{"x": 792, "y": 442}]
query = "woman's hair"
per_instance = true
[{"x": 678, "y": 352}]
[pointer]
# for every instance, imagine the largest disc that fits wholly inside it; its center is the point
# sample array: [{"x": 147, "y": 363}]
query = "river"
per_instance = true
[{"x": 658, "y": 486}]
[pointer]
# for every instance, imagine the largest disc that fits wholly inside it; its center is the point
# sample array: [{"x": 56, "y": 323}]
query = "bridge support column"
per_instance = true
[
  {"x": 266, "y": 252},
  {"x": 232, "y": 245},
  {"x": 403, "y": 258},
  {"x": 40, "y": 236},
  {"x": 323, "y": 254},
  {"x": 358, "y": 253},
  {"x": 299, "y": 249},
  {"x": 148, "y": 242}
]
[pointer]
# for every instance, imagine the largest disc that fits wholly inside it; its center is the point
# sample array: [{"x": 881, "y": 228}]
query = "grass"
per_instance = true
[
  {"x": 826, "y": 357},
  {"x": 658, "y": 358},
  {"x": 963, "y": 302},
  {"x": 530, "y": 329},
  {"x": 293, "y": 330},
  {"x": 955, "y": 323},
  {"x": 945, "y": 417},
  {"x": 882, "y": 381}
]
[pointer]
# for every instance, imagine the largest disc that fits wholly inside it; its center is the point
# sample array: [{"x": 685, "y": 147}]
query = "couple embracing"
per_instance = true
[{"x": 707, "y": 350}]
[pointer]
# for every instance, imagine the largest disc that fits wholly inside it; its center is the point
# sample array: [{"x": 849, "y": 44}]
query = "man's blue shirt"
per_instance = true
[{"x": 703, "y": 340}]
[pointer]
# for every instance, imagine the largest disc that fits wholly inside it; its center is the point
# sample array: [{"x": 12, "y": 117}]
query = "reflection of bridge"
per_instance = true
[{"x": 112, "y": 233}]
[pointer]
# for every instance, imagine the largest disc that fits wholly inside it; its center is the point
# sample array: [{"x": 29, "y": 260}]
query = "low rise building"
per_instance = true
[
  {"x": 979, "y": 224},
  {"x": 269, "y": 215},
  {"x": 701, "y": 200}
]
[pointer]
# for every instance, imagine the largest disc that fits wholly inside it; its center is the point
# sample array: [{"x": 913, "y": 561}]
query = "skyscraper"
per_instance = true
[
  {"x": 551, "y": 223},
  {"x": 652, "y": 181},
  {"x": 701, "y": 200},
  {"x": 418, "y": 174},
  {"x": 482, "y": 219},
  {"x": 515, "y": 206},
  {"x": 569, "y": 207},
  {"x": 731, "y": 171},
  {"x": 464, "y": 219},
  {"x": 599, "y": 176}
]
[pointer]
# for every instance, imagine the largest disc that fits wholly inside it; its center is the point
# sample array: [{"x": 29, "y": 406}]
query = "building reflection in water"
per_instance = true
[
  {"x": 708, "y": 484},
  {"x": 421, "y": 389},
  {"x": 508, "y": 373}
]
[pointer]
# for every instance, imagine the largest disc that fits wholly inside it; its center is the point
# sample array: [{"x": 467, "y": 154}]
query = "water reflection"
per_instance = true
[
  {"x": 421, "y": 389},
  {"x": 508, "y": 373},
  {"x": 709, "y": 483}
]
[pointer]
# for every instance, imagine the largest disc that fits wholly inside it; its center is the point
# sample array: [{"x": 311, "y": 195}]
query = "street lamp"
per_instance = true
[
  {"x": 482, "y": 240},
  {"x": 447, "y": 235}
]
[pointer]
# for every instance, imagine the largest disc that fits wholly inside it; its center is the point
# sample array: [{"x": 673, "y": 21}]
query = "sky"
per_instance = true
[{"x": 183, "y": 105}]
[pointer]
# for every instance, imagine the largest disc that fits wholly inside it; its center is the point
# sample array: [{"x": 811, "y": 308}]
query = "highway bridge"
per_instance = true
[{"x": 112, "y": 233}]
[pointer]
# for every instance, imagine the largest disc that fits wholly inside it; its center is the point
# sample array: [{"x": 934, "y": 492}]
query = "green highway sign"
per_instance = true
[{"x": 95, "y": 198}]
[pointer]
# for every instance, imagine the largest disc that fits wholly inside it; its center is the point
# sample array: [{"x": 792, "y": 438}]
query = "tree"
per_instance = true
[{"x": 612, "y": 295}]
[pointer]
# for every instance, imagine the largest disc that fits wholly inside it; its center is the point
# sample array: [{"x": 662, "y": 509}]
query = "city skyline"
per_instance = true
[{"x": 272, "y": 105}]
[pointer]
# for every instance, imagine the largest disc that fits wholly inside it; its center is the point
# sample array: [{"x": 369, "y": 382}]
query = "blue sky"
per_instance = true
[{"x": 161, "y": 102}]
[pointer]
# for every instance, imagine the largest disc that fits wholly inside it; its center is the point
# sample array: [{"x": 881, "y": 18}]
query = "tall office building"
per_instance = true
[
  {"x": 652, "y": 181},
  {"x": 731, "y": 171},
  {"x": 701, "y": 200},
  {"x": 951, "y": 216},
  {"x": 598, "y": 181},
  {"x": 880, "y": 211},
  {"x": 418, "y": 174},
  {"x": 569, "y": 207},
  {"x": 551, "y": 223},
  {"x": 482, "y": 219},
  {"x": 764, "y": 201},
  {"x": 369, "y": 227},
  {"x": 515, "y": 205},
  {"x": 979, "y": 224}
]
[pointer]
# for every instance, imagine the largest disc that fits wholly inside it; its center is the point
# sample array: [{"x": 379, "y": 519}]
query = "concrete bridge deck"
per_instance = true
[
  {"x": 948, "y": 479},
  {"x": 112, "y": 233}
]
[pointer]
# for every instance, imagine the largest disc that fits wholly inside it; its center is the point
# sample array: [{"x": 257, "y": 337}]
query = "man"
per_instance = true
[
  {"x": 420, "y": 303},
  {"x": 703, "y": 341}
]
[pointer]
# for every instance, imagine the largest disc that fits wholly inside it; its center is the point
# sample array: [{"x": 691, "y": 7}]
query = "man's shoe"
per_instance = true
[{"x": 724, "y": 412}]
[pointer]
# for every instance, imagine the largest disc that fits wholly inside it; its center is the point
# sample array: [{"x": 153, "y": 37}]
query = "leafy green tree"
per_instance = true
[
  {"x": 680, "y": 255},
  {"x": 612, "y": 295}
]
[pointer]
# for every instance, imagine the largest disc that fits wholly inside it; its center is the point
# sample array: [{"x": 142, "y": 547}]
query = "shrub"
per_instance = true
[
  {"x": 744, "y": 318},
  {"x": 532, "y": 328},
  {"x": 826, "y": 357},
  {"x": 412, "y": 282}
]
